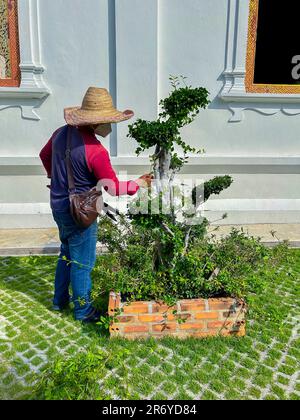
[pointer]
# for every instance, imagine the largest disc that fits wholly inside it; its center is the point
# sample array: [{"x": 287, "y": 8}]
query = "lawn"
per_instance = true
[{"x": 264, "y": 365}]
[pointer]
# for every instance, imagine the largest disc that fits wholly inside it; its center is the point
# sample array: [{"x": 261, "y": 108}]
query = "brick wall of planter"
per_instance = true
[{"x": 193, "y": 318}]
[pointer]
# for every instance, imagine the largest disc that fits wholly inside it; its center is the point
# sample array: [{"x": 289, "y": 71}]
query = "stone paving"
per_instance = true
[
  {"x": 264, "y": 365},
  {"x": 29, "y": 332}
]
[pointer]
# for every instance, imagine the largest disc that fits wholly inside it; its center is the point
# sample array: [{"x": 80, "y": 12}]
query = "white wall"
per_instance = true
[{"x": 131, "y": 47}]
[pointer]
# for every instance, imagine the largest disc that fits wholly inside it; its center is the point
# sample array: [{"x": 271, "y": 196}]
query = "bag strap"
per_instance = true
[{"x": 71, "y": 182}]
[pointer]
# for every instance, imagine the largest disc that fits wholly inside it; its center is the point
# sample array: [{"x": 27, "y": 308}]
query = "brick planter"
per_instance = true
[{"x": 194, "y": 318}]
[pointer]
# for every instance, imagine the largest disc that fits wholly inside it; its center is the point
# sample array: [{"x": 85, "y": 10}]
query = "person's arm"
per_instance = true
[
  {"x": 100, "y": 164},
  {"x": 46, "y": 157}
]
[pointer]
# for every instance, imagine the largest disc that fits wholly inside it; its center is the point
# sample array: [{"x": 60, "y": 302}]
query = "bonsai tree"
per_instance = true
[
  {"x": 178, "y": 110},
  {"x": 155, "y": 249}
]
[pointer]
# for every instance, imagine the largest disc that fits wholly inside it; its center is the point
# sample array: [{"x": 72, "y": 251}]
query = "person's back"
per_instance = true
[{"x": 84, "y": 178}]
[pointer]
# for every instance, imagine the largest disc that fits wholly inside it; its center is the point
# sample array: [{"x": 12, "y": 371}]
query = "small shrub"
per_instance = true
[
  {"x": 235, "y": 266},
  {"x": 79, "y": 376}
]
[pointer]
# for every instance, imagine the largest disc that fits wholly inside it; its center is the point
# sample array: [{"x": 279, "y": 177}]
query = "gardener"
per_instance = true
[{"x": 90, "y": 164}]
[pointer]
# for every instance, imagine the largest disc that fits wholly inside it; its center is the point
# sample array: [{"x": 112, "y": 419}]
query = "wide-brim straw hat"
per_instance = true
[{"x": 97, "y": 108}]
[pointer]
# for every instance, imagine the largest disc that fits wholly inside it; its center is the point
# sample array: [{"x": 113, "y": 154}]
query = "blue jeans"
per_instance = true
[{"x": 76, "y": 262}]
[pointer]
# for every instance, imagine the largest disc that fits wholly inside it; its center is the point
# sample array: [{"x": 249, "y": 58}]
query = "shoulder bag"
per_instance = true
[{"x": 86, "y": 206}]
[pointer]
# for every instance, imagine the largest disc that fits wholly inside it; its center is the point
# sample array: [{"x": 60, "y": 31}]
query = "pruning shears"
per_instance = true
[{"x": 111, "y": 212}]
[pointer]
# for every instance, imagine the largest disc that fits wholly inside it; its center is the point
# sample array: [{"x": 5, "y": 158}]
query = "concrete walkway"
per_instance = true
[
  {"x": 270, "y": 234},
  {"x": 20, "y": 242},
  {"x": 24, "y": 242}
]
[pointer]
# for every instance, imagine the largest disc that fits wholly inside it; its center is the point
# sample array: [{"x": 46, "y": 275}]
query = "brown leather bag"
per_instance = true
[{"x": 86, "y": 206}]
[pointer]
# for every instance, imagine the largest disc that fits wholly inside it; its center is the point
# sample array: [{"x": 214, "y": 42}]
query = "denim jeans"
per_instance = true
[{"x": 76, "y": 261}]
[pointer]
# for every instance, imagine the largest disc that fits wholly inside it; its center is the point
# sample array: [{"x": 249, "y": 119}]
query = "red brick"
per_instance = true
[
  {"x": 136, "y": 308},
  {"x": 115, "y": 328},
  {"x": 192, "y": 326},
  {"x": 137, "y": 322},
  {"x": 165, "y": 327},
  {"x": 136, "y": 329},
  {"x": 207, "y": 315},
  {"x": 194, "y": 305},
  {"x": 220, "y": 324},
  {"x": 114, "y": 302},
  {"x": 151, "y": 318},
  {"x": 178, "y": 317},
  {"x": 161, "y": 308},
  {"x": 225, "y": 303},
  {"x": 138, "y": 303},
  {"x": 171, "y": 317},
  {"x": 230, "y": 314},
  {"x": 194, "y": 301},
  {"x": 126, "y": 319}
]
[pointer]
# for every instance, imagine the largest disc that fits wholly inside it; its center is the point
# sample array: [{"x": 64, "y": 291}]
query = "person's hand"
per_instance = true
[{"x": 145, "y": 181}]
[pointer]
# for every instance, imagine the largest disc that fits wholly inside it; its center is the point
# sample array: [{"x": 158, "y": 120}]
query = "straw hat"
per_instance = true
[{"x": 97, "y": 108}]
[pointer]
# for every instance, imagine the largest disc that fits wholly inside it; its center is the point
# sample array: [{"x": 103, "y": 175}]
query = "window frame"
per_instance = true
[
  {"x": 252, "y": 87},
  {"x": 32, "y": 90},
  {"x": 14, "y": 48},
  {"x": 234, "y": 92}
]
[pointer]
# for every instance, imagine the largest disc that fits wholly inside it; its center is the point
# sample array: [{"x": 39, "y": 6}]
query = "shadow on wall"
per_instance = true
[{"x": 27, "y": 106}]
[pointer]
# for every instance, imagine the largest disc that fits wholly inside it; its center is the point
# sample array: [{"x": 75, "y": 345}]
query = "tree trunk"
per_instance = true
[{"x": 164, "y": 166}]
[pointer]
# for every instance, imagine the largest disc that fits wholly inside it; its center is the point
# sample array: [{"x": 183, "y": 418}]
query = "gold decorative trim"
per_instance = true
[
  {"x": 11, "y": 38},
  {"x": 250, "y": 86}
]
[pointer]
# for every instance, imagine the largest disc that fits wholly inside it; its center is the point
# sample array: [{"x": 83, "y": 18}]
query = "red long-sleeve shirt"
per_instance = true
[{"x": 98, "y": 162}]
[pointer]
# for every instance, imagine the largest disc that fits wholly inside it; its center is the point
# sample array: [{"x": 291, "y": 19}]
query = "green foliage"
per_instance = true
[
  {"x": 77, "y": 377},
  {"x": 212, "y": 187},
  {"x": 151, "y": 133},
  {"x": 216, "y": 186},
  {"x": 233, "y": 266},
  {"x": 184, "y": 104},
  {"x": 179, "y": 109}
]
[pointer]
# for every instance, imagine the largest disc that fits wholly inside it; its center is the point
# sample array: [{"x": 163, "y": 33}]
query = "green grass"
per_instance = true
[{"x": 263, "y": 365}]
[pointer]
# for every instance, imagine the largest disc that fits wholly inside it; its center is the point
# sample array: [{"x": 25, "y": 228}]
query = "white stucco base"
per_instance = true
[{"x": 240, "y": 212}]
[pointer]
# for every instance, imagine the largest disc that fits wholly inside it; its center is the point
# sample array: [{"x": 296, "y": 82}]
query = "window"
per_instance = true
[
  {"x": 9, "y": 44},
  {"x": 262, "y": 68},
  {"x": 273, "y": 52},
  {"x": 21, "y": 71}
]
